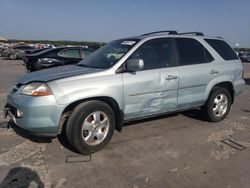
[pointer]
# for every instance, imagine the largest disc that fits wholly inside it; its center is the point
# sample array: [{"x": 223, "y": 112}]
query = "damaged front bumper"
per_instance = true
[{"x": 38, "y": 115}]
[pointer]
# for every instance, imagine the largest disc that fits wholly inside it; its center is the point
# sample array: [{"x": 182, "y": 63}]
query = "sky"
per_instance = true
[{"x": 103, "y": 21}]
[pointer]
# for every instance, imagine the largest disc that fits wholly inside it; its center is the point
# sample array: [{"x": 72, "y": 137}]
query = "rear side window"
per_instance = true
[
  {"x": 192, "y": 52},
  {"x": 222, "y": 48},
  {"x": 70, "y": 53},
  {"x": 87, "y": 52}
]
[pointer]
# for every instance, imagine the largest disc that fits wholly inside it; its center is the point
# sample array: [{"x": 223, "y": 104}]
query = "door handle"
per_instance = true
[
  {"x": 171, "y": 77},
  {"x": 214, "y": 72}
]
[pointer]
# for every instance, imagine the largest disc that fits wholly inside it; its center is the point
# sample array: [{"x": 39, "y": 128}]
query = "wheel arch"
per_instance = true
[
  {"x": 225, "y": 84},
  {"x": 119, "y": 116}
]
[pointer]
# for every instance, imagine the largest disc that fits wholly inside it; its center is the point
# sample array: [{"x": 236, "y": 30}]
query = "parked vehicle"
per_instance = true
[
  {"x": 128, "y": 79},
  {"x": 245, "y": 57},
  {"x": 16, "y": 52},
  {"x": 35, "y": 51},
  {"x": 54, "y": 57},
  {"x": 2, "y": 48}
]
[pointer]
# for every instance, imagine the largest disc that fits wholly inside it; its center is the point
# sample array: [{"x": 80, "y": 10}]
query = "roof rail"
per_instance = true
[
  {"x": 219, "y": 37},
  {"x": 170, "y": 32},
  {"x": 192, "y": 33}
]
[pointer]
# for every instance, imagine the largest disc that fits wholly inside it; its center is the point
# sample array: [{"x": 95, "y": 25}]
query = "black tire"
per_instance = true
[
  {"x": 13, "y": 56},
  {"x": 209, "y": 105},
  {"x": 75, "y": 123}
]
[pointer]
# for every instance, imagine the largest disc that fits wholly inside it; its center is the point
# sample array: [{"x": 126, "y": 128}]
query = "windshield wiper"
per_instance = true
[{"x": 82, "y": 65}]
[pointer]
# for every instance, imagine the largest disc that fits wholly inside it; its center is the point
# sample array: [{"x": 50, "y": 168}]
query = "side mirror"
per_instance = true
[{"x": 134, "y": 65}]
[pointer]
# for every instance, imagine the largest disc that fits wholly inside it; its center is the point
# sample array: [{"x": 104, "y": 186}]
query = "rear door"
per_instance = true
[
  {"x": 195, "y": 72},
  {"x": 152, "y": 90}
]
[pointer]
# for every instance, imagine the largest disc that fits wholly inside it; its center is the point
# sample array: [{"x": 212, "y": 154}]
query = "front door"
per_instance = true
[{"x": 152, "y": 90}]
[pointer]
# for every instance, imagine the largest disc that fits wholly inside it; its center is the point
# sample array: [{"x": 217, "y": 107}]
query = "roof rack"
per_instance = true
[
  {"x": 192, "y": 33},
  {"x": 219, "y": 37},
  {"x": 170, "y": 32}
]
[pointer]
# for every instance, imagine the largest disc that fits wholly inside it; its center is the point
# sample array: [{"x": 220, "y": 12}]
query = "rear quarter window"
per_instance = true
[
  {"x": 70, "y": 53},
  {"x": 87, "y": 52},
  {"x": 223, "y": 49}
]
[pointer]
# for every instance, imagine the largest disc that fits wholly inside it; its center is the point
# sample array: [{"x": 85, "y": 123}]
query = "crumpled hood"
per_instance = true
[{"x": 56, "y": 73}]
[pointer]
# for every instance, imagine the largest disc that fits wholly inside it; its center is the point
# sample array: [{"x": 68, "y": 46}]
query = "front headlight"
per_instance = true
[{"x": 36, "y": 89}]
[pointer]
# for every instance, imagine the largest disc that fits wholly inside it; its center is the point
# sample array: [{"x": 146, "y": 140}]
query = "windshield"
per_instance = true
[{"x": 109, "y": 54}]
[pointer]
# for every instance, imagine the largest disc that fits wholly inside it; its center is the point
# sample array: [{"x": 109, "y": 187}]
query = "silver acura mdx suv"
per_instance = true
[{"x": 128, "y": 79}]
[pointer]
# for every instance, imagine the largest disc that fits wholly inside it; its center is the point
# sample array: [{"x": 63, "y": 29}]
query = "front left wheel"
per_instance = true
[{"x": 90, "y": 126}]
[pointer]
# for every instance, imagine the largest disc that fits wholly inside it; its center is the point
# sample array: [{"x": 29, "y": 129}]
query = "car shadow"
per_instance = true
[
  {"x": 23, "y": 133},
  {"x": 64, "y": 142},
  {"x": 246, "y": 110},
  {"x": 22, "y": 177},
  {"x": 136, "y": 122},
  {"x": 5, "y": 58},
  {"x": 19, "y": 131},
  {"x": 247, "y": 80},
  {"x": 194, "y": 114}
]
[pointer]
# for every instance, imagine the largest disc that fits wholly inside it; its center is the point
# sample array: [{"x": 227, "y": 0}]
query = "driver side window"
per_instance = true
[{"x": 155, "y": 53}]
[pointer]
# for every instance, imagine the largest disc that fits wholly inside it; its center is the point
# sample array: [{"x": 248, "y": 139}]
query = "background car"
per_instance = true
[
  {"x": 35, "y": 51},
  {"x": 55, "y": 57},
  {"x": 245, "y": 57},
  {"x": 16, "y": 52},
  {"x": 2, "y": 48}
]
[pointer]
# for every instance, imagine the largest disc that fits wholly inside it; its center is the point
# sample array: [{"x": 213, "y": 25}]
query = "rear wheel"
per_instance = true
[
  {"x": 218, "y": 104},
  {"x": 90, "y": 126}
]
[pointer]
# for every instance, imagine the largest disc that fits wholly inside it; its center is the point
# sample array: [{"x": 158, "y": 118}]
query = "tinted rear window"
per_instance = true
[
  {"x": 222, "y": 48},
  {"x": 192, "y": 52}
]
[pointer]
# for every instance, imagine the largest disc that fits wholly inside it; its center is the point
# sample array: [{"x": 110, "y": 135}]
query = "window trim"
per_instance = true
[{"x": 177, "y": 54}]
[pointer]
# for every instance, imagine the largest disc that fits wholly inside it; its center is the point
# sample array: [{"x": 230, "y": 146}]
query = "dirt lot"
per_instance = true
[{"x": 178, "y": 150}]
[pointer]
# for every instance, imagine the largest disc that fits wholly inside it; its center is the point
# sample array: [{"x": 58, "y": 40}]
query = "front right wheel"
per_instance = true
[
  {"x": 218, "y": 104},
  {"x": 90, "y": 126}
]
